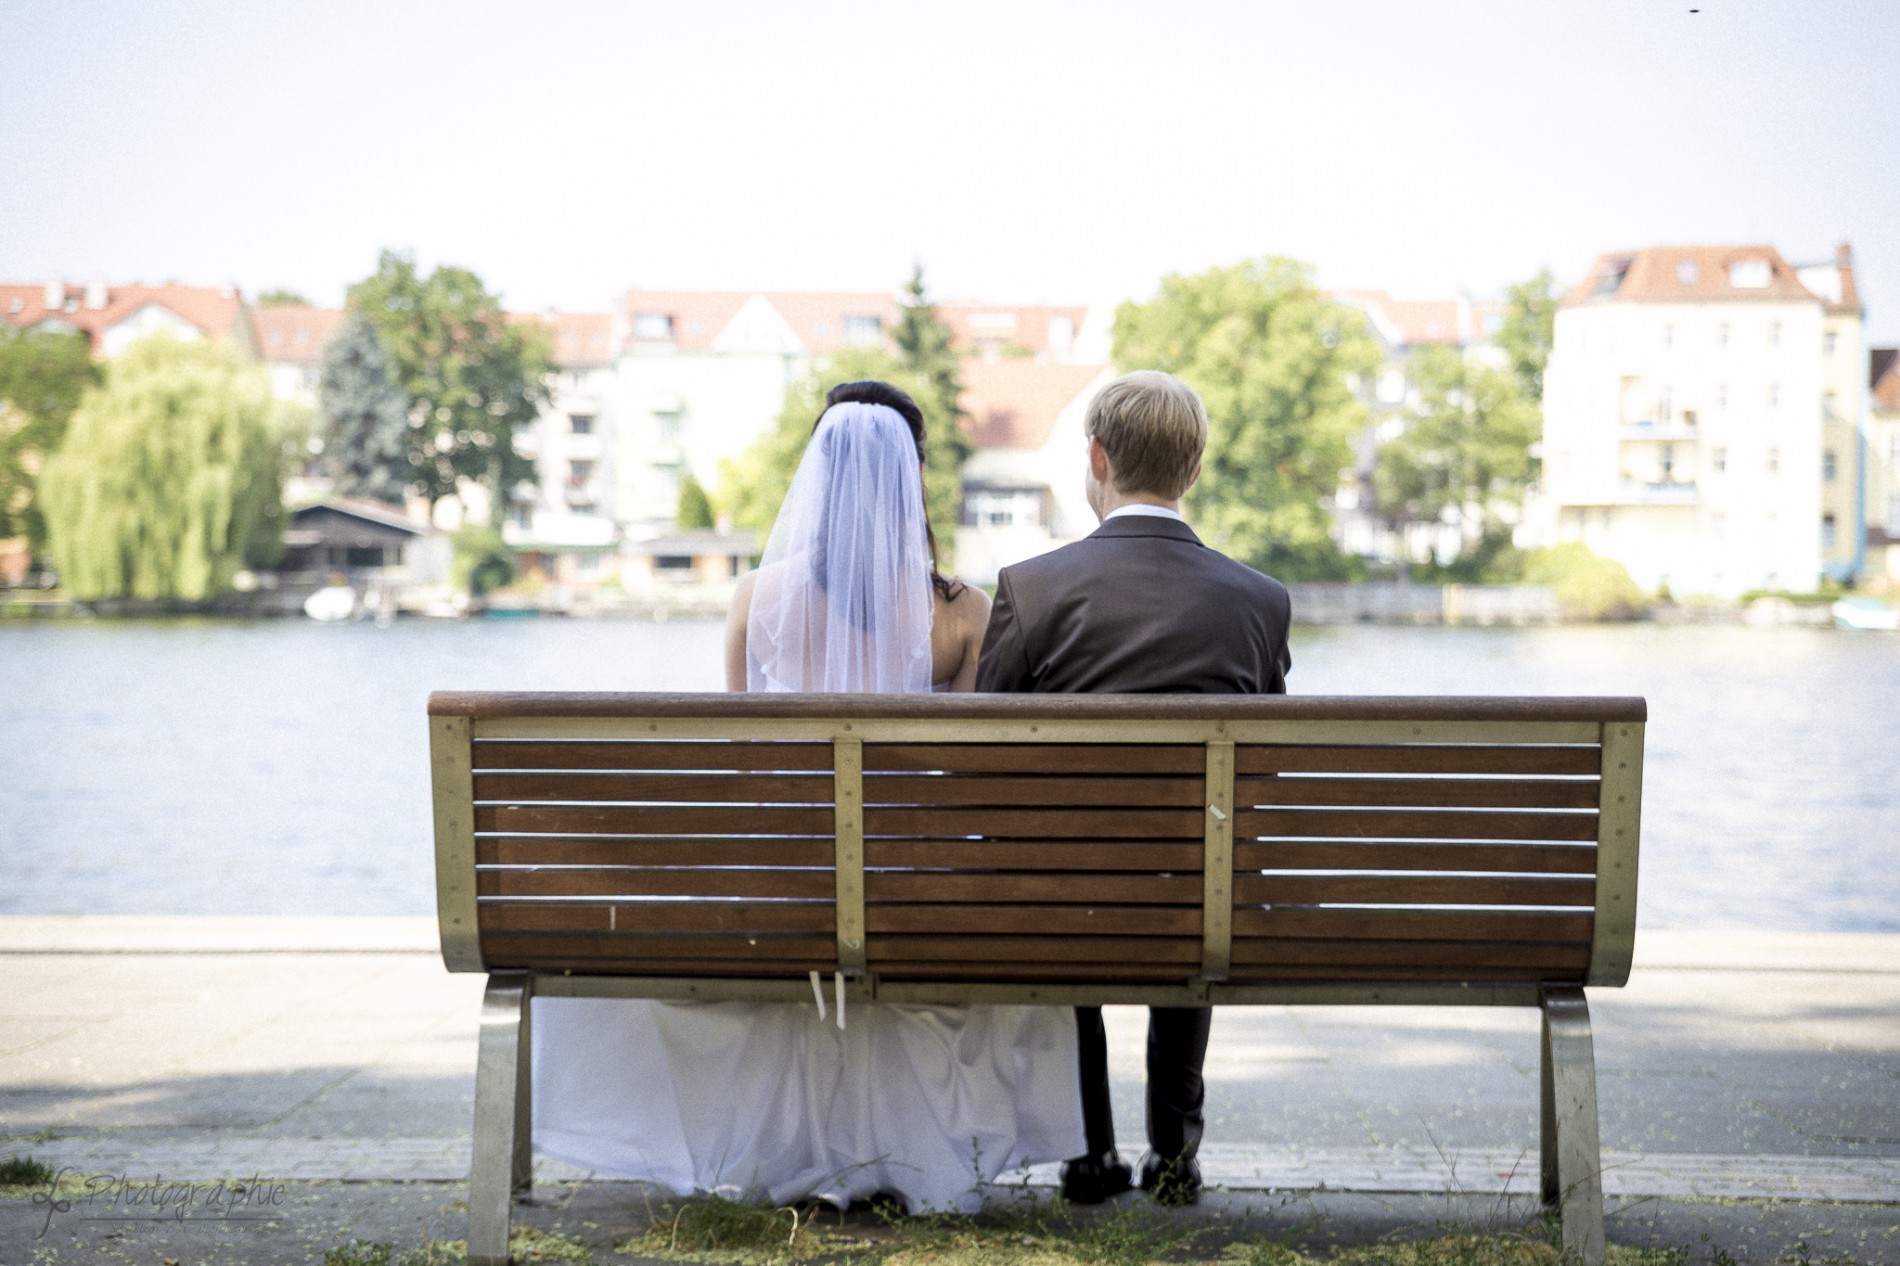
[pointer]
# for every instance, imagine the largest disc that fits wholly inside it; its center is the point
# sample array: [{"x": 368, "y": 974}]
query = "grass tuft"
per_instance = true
[
  {"x": 715, "y": 1229},
  {"x": 24, "y": 1171}
]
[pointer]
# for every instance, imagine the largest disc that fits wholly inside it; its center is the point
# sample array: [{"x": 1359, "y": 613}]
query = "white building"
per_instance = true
[
  {"x": 291, "y": 338},
  {"x": 1683, "y": 419},
  {"x": 1022, "y": 487}
]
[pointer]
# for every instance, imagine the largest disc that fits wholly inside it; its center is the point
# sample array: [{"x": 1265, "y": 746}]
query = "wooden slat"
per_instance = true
[
  {"x": 1488, "y": 890},
  {"x": 1260, "y": 951},
  {"x": 1420, "y": 759},
  {"x": 1053, "y": 920},
  {"x": 502, "y": 754},
  {"x": 637, "y": 947},
  {"x": 645, "y": 820},
  {"x": 793, "y": 969},
  {"x": 533, "y": 850},
  {"x": 696, "y": 788},
  {"x": 1032, "y": 855},
  {"x": 1038, "y": 823},
  {"x": 659, "y": 916},
  {"x": 1250, "y": 973},
  {"x": 655, "y": 883},
  {"x": 1471, "y": 793},
  {"x": 1539, "y": 859},
  {"x": 1036, "y": 949},
  {"x": 905, "y": 789},
  {"x": 1445, "y": 824},
  {"x": 1026, "y": 758},
  {"x": 1412, "y": 925},
  {"x": 1034, "y": 971},
  {"x": 1017, "y": 886}
]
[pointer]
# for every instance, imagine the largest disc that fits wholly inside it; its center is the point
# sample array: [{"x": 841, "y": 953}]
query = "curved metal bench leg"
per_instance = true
[
  {"x": 502, "y": 1144},
  {"x": 1572, "y": 1157}
]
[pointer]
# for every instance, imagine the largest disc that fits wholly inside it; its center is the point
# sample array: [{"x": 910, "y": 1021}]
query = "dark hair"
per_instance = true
[{"x": 872, "y": 391}]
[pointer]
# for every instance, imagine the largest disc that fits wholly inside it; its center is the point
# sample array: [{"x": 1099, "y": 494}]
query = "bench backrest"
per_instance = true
[{"x": 1128, "y": 847}]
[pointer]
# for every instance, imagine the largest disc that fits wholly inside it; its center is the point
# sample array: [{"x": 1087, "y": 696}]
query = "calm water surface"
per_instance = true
[{"x": 281, "y": 767}]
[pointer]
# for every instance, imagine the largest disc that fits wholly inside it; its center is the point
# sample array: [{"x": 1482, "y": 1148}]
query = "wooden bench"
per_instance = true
[{"x": 1079, "y": 849}]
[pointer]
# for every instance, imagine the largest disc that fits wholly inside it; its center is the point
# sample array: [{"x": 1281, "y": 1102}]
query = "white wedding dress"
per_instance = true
[{"x": 769, "y": 1101}]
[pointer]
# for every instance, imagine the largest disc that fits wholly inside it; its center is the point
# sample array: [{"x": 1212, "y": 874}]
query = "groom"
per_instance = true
[{"x": 1140, "y": 606}]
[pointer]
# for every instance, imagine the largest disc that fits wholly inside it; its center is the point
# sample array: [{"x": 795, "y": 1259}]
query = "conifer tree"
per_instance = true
[
  {"x": 365, "y": 417},
  {"x": 167, "y": 482}
]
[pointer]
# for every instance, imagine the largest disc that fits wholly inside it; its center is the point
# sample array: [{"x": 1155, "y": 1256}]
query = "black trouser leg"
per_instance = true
[
  {"x": 1098, "y": 1115},
  {"x": 1177, "y": 1045}
]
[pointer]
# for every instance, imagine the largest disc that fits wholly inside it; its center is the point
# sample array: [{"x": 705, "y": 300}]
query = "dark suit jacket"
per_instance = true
[{"x": 1139, "y": 607}]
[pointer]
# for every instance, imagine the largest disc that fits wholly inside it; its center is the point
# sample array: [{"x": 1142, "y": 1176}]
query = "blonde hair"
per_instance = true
[{"x": 1154, "y": 428}]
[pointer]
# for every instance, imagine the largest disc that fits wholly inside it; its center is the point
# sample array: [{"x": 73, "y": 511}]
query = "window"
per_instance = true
[
  {"x": 578, "y": 473},
  {"x": 1774, "y": 460},
  {"x": 1827, "y": 531},
  {"x": 1686, "y": 272},
  {"x": 1669, "y": 333},
  {"x": 580, "y": 423},
  {"x": 1721, "y": 333},
  {"x": 1827, "y": 343},
  {"x": 1893, "y": 515},
  {"x": 673, "y": 562},
  {"x": 1827, "y": 466},
  {"x": 1721, "y": 395},
  {"x": 1774, "y": 334},
  {"x": 1774, "y": 395},
  {"x": 653, "y": 325},
  {"x": 862, "y": 327},
  {"x": 1688, "y": 418},
  {"x": 1665, "y": 407},
  {"x": 1749, "y": 274},
  {"x": 1669, "y": 463},
  {"x": 1830, "y": 405},
  {"x": 669, "y": 424},
  {"x": 1718, "y": 459}
]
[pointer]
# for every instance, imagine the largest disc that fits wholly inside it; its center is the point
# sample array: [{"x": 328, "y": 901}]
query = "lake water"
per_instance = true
[{"x": 281, "y": 767}]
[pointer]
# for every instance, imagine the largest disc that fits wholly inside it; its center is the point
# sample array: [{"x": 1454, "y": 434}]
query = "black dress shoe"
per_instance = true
[
  {"x": 1093, "y": 1179},
  {"x": 1175, "y": 1182}
]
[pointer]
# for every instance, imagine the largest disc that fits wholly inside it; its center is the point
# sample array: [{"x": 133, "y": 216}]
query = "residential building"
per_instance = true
[
  {"x": 1843, "y": 420},
  {"x": 1883, "y": 467},
  {"x": 111, "y": 317},
  {"x": 562, "y": 525},
  {"x": 1401, "y": 327},
  {"x": 1022, "y": 487},
  {"x": 291, "y": 338},
  {"x": 1684, "y": 417},
  {"x": 701, "y": 375},
  {"x": 1041, "y": 332}
]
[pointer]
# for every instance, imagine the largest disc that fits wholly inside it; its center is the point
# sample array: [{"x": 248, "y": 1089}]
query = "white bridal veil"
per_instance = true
[{"x": 843, "y": 600}]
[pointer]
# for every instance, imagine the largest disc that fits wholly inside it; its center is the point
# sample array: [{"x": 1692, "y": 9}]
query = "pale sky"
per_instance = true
[{"x": 1023, "y": 151}]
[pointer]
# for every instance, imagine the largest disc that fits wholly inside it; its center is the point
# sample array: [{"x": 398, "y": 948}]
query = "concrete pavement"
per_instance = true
[{"x": 1763, "y": 1068}]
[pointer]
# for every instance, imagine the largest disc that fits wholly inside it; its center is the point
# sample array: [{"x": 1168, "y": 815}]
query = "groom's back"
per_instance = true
[{"x": 1140, "y": 607}]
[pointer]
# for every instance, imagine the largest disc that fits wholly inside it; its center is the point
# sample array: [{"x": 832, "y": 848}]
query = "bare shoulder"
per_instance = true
[{"x": 968, "y": 606}]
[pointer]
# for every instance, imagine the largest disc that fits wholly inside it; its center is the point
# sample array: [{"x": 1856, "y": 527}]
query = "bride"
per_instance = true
[{"x": 766, "y": 1100}]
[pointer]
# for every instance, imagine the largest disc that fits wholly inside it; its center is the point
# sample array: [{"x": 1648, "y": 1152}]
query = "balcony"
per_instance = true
[
  {"x": 1637, "y": 492},
  {"x": 1648, "y": 430}
]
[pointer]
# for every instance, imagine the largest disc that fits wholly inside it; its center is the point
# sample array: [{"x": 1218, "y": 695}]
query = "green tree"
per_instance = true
[
  {"x": 1527, "y": 330},
  {"x": 1465, "y": 454},
  {"x": 280, "y": 297},
  {"x": 365, "y": 416},
  {"x": 924, "y": 365},
  {"x": 472, "y": 378},
  {"x": 42, "y": 376},
  {"x": 167, "y": 482},
  {"x": 695, "y": 507},
  {"x": 1274, "y": 360}
]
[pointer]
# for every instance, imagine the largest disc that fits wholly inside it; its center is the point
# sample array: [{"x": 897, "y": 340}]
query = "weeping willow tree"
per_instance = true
[{"x": 167, "y": 482}]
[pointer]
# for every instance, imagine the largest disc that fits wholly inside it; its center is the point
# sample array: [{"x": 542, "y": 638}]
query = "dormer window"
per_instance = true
[
  {"x": 1749, "y": 274},
  {"x": 863, "y": 327},
  {"x": 653, "y": 325},
  {"x": 1687, "y": 273}
]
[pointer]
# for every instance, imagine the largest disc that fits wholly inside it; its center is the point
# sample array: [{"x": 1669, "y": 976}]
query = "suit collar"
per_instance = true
[{"x": 1146, "y": 525}]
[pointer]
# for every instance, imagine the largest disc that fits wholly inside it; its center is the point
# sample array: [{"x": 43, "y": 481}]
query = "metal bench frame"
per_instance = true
[{"x": 1570, "y": 1153}]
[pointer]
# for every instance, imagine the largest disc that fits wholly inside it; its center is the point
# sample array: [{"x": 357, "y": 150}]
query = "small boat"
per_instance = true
[
  {"x": 331, "y": 604},
  {"x": 1865, "y": 615}
]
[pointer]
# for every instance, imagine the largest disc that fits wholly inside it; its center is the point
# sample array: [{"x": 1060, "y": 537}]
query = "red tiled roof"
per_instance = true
[
  {"x": 1687, "y": 274},
  {"x": 294, "y": 334},
  {"x": 217, "y": 312},
  {"x": 1023, "y": 326},
  {"x": 699, "y": 316},
  {"x": 1883, "y": 377},
  {"x": 1014, "y": 403},
  {"x": 1449, "y": 322},
  {"x": 578, "y": 339},
  {"x": 818, "y": 319}
]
